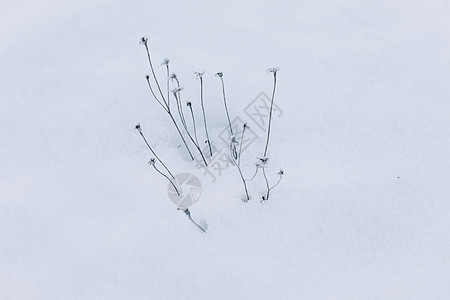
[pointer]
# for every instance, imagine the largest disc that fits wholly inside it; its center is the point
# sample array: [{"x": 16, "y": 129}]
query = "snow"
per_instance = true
[{"x": 361, "y": 213}]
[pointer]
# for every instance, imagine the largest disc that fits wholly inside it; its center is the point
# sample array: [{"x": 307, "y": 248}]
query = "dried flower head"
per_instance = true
[
  {"x": 262, "y": 163},
  {"x": 173, "y": 76},
  {"x": 199, "y": 74},
  {"x": 165, "y": 62},
  {"x": 219, "y": 74},
  {"x": 188, "y": 103},
  {"x": 138, "y": 127},
  {"x": 273, "y": 70},
  {"x": 143, "y": 40},
  {"x": 152, "y": 162},
  {"x": 281, "y": 172},
  {"x": 147, "y": 77},
  {"x": 176, "y": 90},
  {"x": 245, "y": 125}
]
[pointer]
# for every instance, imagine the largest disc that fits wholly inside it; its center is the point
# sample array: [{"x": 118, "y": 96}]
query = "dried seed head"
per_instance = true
[
  {"x": 188, "y": 103},
  {"x": 219, "y": 74},
  {"x": 199, "y": 74},
  {"x": 273, "y": 70},
  {"x": 281, "y": 172},
  {"x": 138, "y": 127},
  {"x": 143, "y": 40},
  {"x": 147, "y": 77},
  {"x": 165, "y": 62},
  {"x": 173, "y": 76},
  {"x": 262, "y": 163},
  {"x": 245, "y": 125},
  {"x": 176, "y": 90},
  {"x": 152, "y": 162},
  {"x": 234, "y": 140}
]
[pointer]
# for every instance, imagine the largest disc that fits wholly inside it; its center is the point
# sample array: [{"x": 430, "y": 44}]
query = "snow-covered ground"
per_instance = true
[{"x": 363, "y": 211}]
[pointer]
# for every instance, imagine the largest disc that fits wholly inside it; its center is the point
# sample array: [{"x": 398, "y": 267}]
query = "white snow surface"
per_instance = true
[{"x": 363, "y": 211}]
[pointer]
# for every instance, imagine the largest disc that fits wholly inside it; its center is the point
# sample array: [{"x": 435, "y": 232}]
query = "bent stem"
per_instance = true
[
  {"x": 189, "y": 104},
  {"x": 153, "y": 164},
  {"x": 138, "y": 128},
  {"x": 274, "y": 71},
  {"x": 200, "y": 76},
  {"x": 220, "y": 75},
  {"x": 188, "y": 213}
]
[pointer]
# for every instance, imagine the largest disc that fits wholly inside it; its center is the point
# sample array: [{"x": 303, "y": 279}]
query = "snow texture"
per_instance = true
[{"x": 362, "y": 133}]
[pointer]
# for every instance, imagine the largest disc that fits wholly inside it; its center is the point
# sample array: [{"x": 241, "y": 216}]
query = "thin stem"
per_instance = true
[
  {"x": 178, "y": 193},
  {"x": 225, "y": 102},
  {"x": 204, "y": 115},
  {"x": 168, "y": 93},
  {"x": 195, "y": 134},
  {"x": 193, "y": 122},
  {"x": 148, "y": 145},
  {"x": 153, "y": 71},
  {"x": 181, "y": 135},
  {"x": 279, "y": 179},
  {"x": 240, "y": 146},
  {"x": 267, "y": 184},
  {"x": 165, "y": 107},
  {"x": 179, "y": 106},
  {"x": 233, "y": 148},
  {"x": 254, "y": 175},
  {"x": 270, "y": 114},
  {"x": 188, "y": 213},
  {"x": 177, "y": 98}
]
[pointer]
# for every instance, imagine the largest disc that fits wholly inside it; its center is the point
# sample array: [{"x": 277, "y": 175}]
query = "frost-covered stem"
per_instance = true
[
  {"x": 235, "y": 160},
  {"x": 200, "y": 75},
  {"x": 193, "y": 122},
  {"x": 181, "y": 135},
  {"x": 195, "y": 134},
  {"x": 271, "y": 109},
  {"x": 240, "y": 145},
  {"x": 178, "y": 193},
  {"x": 279, "y": 179},
  {"x": 165, "y": 107},
  {"x": 243, "y": 181},
  {"x": 145, "y": 43},
  {"x": 225, "y": 100},
  {"x": 153, "y": 152},
  {"x": 168, "y": 92},
  {"x": 267, "y": 185},
  {"x": 188, "y": 213},
  {"x": 254, "y": 175},
  {"x": 179, "y": 106}
]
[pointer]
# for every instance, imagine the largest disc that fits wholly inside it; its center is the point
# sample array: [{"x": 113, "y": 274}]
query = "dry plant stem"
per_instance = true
[
  {"x": 178, "y": 193},
  {"x": 240, "y": 145},
  {"x": 225, "y": 102},
  {"x": 270, "y": 113},
  {"x": 195, "y": 134},
  {"x": 177, "y": 98},
  {"x": 188, "y": 213},
  {"x": 279, "y": 179},
  {"x": 165, "y": 106},
  {"x": 148, "y": 145},
  {"x": 181, "y": 135},
  {"x": 179, "y": 106},
  {"x": 267, "y": 185},
  {"x": 236, "y": 161},
  {"x": 204, "y": 115},
  {"x": 153, "y": 71}
]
